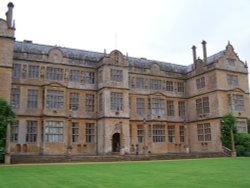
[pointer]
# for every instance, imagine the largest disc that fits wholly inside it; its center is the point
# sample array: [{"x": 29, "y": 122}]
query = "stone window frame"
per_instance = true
[
  {"x": 89, "y": 77},
  {"x": 75, "y": 132},
  {"x": 140, "y": 134},
  {"x": 14, "y": 132},
  {"x": 180, "y": 87},
  {"x": 89, "y": 103},
  {"x": 181, "y": 109},
  {"x": 140, "y": 106},
  {"x": 116, "y": 101},
  {"x": 15, "y": 98},
  {"x": 54, "y": 131},
  {"x": 116, "y": 75},
  {"x": 73, "y": 101},
  {"x": 32, "y": 99},
  {"x": 157, "y": 106},
  {"x": 139, "y": 83},
  {"x": 230, "y": 63},
  {"x": 170, "y": 108},
  {"x": 16, "y": 70},
  {"x": 90, "y": 133},
  {"x": 54, "y": 73},
  {"x": 100, "y": 102},
  {"x": 232, "y": 81},
  {"x": 241, "y": 126},
  {"x": 171, "y": 134},
  {"x": 182, "y": 133},
  {"x": 33, "y": 71},
  {"x": 74, "y": 76},
  {"x": 54, "y": 99},
  {"x": 155, "y": 84},
  {"x": 204, "y": 132},
  {"x": 31, "y": 131},
  {"x": 236, "y": 102},
  {"x": 159, "y": 133},
  {"x": 202, "y": 106},
  {"x": 169, "y": 86},
  {"x": 200, "y": 82}
]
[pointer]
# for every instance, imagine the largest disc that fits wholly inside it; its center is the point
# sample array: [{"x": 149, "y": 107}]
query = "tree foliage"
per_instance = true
[
  {"x": 6, "y": 116},
  {"x": 248, "y": 125},
  {"x": 227, "y": 123}
]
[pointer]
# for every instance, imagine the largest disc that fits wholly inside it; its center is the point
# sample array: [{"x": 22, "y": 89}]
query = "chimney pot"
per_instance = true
[
  {"x": 194, "y": 54},
  {"x": 9, "y": 15},
  {"x": 204, "y": 51}
]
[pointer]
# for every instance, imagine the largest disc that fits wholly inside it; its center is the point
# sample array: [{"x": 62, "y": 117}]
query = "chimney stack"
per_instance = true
[
  {"x": 9, "y": 15},
  {"x": 194, "y": 53},
  {"x": 204, "y": 51}
]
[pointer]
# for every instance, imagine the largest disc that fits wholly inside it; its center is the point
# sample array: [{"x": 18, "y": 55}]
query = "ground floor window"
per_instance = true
[
  {"x": 204, "y": 132},
  {"x": 14, "y": 132},
  {"x": 90, "y": 132},
  {"x": 182, "y": 134},
  {"x": 54, "y": 131},
  {"x": 171, "y": 134},
  {"x": 159, "y": 133},
  {"x": 140, "y": 134},
  {"x": 242, "y": 126},
  {"x": 75, "y": 132},
  {"x": 31, "y": 131}
]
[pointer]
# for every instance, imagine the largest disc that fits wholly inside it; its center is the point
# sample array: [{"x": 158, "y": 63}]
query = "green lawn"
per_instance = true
[{"x": 184, "y": 173}]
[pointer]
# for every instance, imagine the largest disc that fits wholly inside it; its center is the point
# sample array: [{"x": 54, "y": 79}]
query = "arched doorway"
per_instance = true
[{"x": 116, "y": 142}]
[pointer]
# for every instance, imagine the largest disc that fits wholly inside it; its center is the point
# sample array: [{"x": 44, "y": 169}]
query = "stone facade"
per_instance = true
[{"x": 76, "y": 102}]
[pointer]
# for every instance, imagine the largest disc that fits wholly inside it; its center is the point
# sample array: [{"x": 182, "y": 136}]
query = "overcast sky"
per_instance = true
[{"x": 161, "y": 30}]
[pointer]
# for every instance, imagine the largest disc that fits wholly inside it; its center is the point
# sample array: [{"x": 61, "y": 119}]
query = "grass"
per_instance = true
[{"x": 220, "y": 173}]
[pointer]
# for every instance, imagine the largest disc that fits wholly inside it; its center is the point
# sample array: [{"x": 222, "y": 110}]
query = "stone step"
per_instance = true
[{"x": 19, "y": 158}]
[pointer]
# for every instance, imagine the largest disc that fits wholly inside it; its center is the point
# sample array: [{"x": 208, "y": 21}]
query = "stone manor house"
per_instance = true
[{"x": 77, "y": 102}]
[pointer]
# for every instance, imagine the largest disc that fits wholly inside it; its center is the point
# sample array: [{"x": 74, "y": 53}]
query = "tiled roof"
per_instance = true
[{"x": 30, "y": 47}]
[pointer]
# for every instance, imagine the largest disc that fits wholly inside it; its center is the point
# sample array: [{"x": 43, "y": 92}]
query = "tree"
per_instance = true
[
  {"x": 248, "y": 125},
  {"x": 228, "y": 131},
  {"x": 7, "y": 116}
]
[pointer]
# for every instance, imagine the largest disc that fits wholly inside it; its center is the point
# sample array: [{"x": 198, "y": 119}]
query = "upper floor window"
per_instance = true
[
  {"x": 116, "y": 75},
  {"x": 15, "y": 98},
  {"x": 32, "y": 102},
  {"x": 180, "y": 86},
  {"x": 89, "y": 77},
  {"x": 53, "y": 131},
  {"x": 33, "y": 71},
  {"x": 16, "y": 71},
  {"x": 231, "y": 63},
  {"x": 200, "y": 82},
  {"x": 54, "y": 73},
  {"x": 31, "y": 131},
  {"x": 232, "y": 81},
  {"x": 139, "y": 83},
  {"x": 181, "y": 108},
  {"x": 55, "y": 99},
  {"x": 157, "y": 106},
  {"x": 140, "y": 106},
  {"x": 74, "y": 76},
  {"x": 169, "y": 86},
  {"x": 202, "y": 105},
  {"x": 155, "y": 84},
  {"x": 100, "y": 102},
  {"x": 236, "y": 103},
  {"x": 170, "y": 108},
  {"x": 89, "y": 103},
  {"x": 116, "y": 101},
  {"x": 204, "y": 132},
  {"x": 73, "y": 101}
]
